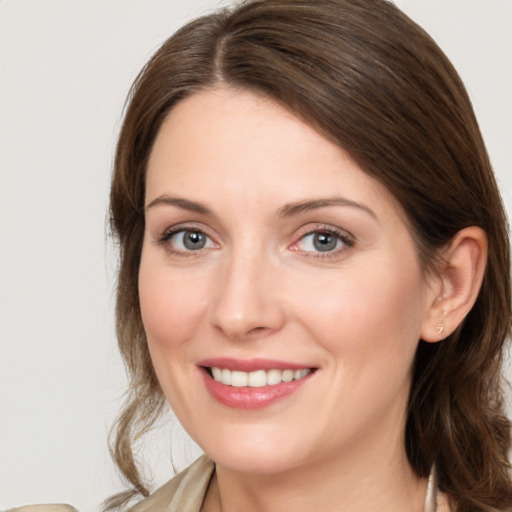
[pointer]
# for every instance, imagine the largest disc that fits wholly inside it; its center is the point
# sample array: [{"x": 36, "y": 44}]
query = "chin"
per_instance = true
[
  {"x": 255, "y": 454},
  {"x": 255, "y": 462}
]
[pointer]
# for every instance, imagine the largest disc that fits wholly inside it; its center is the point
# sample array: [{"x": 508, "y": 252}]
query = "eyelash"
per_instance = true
[
  {"x": 165, "y": 240},
  {"x": 345, "y": 238}
]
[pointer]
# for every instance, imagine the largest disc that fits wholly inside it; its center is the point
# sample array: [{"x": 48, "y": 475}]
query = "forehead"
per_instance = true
[
  {"x": 229, "y": 123},
  {"x": 252, "y": 150}
]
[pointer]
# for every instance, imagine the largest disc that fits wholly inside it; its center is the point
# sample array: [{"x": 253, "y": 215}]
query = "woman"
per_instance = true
[
  {"x": 314, "y": 267},
  {"x": 301, "y": 188}
]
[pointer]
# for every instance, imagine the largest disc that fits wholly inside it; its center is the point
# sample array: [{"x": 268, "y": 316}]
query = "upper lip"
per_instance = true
[{"x": 250, "y": 365}]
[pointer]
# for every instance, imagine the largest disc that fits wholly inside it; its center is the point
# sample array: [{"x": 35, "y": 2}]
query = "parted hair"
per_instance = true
[{"x": 372, "y": 81}]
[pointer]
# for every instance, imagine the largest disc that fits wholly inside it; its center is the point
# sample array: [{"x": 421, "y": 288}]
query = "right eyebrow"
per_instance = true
[
  {"x": 291, "y": 209},
  {"x": 185, "y": 204}
]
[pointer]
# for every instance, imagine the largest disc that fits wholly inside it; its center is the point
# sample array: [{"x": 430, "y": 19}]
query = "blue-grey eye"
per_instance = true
[
  {"x": 320, "y": 241},
  {"x": 190, "y": 240}
]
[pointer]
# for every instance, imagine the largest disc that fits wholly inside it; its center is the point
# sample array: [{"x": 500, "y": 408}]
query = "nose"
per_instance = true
[{"x": 246, "y": 304}]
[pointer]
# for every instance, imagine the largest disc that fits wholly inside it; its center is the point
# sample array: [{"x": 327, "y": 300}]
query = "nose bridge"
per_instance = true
[{"x": 245, "y": 304}]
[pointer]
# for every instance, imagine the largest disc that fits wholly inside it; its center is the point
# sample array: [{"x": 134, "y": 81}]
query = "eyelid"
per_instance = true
[
  {"x": 346, "y": 238},
  {"x": 172, "y": 229},
  {"x": 164, "y": 237}
]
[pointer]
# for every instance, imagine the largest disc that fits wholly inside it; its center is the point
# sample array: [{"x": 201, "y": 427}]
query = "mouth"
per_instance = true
[
  {"x": 257, "y": 378},
  {"x": 253, "y": 384}
]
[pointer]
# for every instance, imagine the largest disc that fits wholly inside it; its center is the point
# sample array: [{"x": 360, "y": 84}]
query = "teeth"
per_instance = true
[
  {"x": 288, "y": 375},
  {"x": 226, "y": 377},
  {"x": 298, "y": 374},
  {"x": 274, "y": 377},
  {"x": 238, "y": 379},
  {"x": 258, "y": 378},
  {"x": 217, "y": 374}
]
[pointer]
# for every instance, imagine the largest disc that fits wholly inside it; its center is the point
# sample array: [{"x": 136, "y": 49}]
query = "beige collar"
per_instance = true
[{"x": 431, "y": 497}]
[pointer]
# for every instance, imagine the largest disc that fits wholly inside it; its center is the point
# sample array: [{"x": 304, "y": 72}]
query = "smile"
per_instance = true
[
  {"x": 255, "y": 383},
  {"x": 258, "y": 378}
]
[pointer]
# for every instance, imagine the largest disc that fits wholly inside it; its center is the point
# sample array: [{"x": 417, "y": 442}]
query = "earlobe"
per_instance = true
[{"x": 458, "y": 282}]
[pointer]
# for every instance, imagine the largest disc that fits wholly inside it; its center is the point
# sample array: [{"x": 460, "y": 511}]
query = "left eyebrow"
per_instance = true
[
  {"x": 290, "y": 209},
  {"x": 184, "y": 204}
]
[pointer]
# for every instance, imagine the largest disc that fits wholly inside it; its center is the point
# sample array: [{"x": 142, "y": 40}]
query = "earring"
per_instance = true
[{"x": 440, "y": 328}]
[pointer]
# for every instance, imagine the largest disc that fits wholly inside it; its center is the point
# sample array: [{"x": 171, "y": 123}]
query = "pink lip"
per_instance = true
[
  {"x": 247, "y": 397},
  {"x": 249, "y": 365}
]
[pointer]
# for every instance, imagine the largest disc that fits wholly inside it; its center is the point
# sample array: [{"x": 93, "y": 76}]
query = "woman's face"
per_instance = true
[{"x": 269, "y": 255}]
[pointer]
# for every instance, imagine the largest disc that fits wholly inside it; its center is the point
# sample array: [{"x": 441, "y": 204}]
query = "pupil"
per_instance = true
[
  {"x": 324, "y": 242},
  {"x": 194, "y": 240}
]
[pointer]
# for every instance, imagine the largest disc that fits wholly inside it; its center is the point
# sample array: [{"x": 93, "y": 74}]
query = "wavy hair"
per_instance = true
[{"x": 372, "y": 81}]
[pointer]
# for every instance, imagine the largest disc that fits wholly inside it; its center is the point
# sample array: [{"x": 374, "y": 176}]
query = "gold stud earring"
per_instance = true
[{"x": 440, "y": 328}]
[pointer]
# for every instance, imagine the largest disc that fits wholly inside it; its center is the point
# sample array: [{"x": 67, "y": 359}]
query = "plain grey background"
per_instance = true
[{"x": 66, "y": 66}]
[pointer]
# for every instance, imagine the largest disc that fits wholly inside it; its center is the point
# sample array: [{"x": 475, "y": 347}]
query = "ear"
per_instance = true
[{"x": 456, "y": 285}]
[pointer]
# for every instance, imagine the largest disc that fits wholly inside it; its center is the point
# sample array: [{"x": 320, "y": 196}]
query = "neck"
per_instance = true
[{"x": 352, "y": 483}]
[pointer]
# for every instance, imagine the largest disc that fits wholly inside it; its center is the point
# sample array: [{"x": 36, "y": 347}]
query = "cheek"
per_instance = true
[
  {"x": 170, "y": 306},
  {"x": 171, "y": 310},
  {"x": 367, "y": 311}
]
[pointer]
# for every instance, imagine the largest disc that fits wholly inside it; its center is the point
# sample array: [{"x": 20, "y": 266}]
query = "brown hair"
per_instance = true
[{"x": 372, "y": 81}]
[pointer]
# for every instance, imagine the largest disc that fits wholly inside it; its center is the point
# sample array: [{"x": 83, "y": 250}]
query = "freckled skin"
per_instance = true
[{"x": 259, "y": 289}]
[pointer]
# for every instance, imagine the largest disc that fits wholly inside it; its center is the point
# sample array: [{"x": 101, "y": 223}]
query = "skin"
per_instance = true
[{"x": 260, "y": 289}]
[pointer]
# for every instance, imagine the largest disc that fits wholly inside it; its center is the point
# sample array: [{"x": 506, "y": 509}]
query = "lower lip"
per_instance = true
[{"x": 251, "y": 398}]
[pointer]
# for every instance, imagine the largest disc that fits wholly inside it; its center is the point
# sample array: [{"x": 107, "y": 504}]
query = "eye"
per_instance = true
[
  {"x": 323, "y": 241},
  {"x": 186, "y": 240}
]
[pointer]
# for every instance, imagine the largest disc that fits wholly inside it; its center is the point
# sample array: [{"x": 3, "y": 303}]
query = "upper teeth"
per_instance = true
[{"x": 258, "y": 378}]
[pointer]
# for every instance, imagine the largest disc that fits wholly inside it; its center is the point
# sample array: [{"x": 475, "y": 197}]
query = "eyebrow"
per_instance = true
[
  {"x": 297, "y": 208},
  {"x": 185, "y": 204},
  {"x": 288, "y": 210}
]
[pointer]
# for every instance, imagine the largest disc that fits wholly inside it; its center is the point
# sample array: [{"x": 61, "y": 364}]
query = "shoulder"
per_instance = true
[
  {"x": 44, "y": 508},
  {"x": 186, "y": 491}
]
